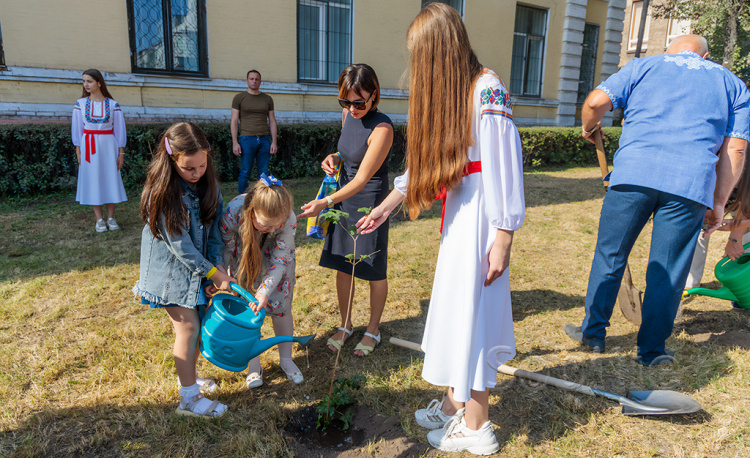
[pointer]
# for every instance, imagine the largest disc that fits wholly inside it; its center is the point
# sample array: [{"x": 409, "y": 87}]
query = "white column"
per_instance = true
[
  {"x": 612, "y": 44},
  {"x": 570, "y": 61}
]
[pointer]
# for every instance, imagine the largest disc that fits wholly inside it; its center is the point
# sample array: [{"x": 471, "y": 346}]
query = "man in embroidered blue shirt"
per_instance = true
[{"x": 687, "y": 124}]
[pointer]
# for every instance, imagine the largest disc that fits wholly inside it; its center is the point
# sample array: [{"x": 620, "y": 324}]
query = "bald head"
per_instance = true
[{"x": 695, "y": 43}]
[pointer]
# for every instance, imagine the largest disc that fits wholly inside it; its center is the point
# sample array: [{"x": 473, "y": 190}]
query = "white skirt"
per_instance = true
[
  {"x": 99, "y": 181},
  {"x": 467, "y": 320}
]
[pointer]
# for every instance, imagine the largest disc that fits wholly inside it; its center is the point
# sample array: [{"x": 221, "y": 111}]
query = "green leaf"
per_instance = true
[
  {"x": 350, "y": 257},
  {"x": 363, "y": 256},
  {"x": 365, "y": 210},
  {"x": 352, "y": 230}
]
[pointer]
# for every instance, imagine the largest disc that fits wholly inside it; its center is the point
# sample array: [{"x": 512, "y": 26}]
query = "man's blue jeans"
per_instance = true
[
  {"x": 625, "y": 211},
  {"x": 253, "y": 147}
]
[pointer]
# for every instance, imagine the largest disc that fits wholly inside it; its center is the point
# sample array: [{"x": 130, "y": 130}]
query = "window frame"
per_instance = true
[
  {"x": 168, "y": 35},
  {"x": 543, "y": 53},
  {"x": 324, "y": 36},
  {"x": 679, "y": 24},
  {"x": 635, "y": 24}
]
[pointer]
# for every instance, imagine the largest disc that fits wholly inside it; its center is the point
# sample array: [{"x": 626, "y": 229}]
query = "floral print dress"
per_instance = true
[{"x": 276, "y": 278}]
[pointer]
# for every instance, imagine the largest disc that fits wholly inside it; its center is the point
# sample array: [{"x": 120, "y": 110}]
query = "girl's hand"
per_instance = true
[
  {"x": 120, "y": 161},
  {"x": 734, "y": 250},
  {"x": 369, "y": 223},
  {"x": 499, "y": 256},
  {"x": 222, "y": 281},
  {"x": 211, "y": 289},
  {"x": 330, "y": 163},
  {"x": 78, "y": 154},
  {"x": 312, "y": 208},
  {"x": 727, "y": 225},
  {"x": 262, "y": 303}
]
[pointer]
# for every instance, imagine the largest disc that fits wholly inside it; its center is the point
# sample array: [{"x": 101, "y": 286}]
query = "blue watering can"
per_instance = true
[
  {"x": 735, "y": 280},
  {"x": 230, "y": 332}
]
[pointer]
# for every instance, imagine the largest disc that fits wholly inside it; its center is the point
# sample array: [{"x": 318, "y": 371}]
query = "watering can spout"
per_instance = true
[
  {"x": 721, "y": 293},
  {"x": 265, "y": 344}
]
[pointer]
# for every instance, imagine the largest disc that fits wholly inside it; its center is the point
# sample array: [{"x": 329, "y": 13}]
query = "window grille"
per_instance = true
[
  {"x": 324, "y": 39},
  {"x": 528, "y": 51},
  {"x": 168, "y": 36}
]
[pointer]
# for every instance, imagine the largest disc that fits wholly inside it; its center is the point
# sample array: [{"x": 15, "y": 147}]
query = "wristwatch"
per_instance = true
[{"x": 329, "y": 199}]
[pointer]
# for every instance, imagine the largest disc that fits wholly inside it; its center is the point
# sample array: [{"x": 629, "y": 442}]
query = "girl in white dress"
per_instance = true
[
  {"x": 463, "y": 142},
  {"x": 98, "y": 133}
]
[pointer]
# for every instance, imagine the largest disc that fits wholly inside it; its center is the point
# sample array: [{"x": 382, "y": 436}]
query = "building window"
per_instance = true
[
  {"x": 458, "y": 5},
  {"x": 528, "y": 51},
  {"x": 676, "y": 28},
  {"x": 168, "y": 36},
  {"x": 3, "y": 67},
  {"x": 588, "y": 60},
  {"x": 635, "y": 25},
  {"x": 324, "y": 39}
]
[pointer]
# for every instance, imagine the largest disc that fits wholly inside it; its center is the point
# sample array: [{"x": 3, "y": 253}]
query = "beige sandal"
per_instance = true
[
  {"x": 366, "y": 349},
  {"x": 338, "y": 343}
]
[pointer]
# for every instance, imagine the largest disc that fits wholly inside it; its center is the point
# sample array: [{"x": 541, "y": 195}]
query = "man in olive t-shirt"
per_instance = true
[{"x": 253, "y": 110}]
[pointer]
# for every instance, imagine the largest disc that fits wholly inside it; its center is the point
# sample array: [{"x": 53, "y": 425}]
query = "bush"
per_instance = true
[{"x": 40, "y": 158}]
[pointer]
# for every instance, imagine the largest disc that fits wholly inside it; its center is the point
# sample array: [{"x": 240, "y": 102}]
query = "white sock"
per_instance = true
[
  {"x": 288, "y": 365},
  {"x": 189, "y": 392}
]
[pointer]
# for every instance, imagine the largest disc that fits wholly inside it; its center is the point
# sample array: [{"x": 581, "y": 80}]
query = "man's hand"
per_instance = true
[
  {"x": 274, "y": 148},
  {"x": 714, "y": 219},
  {"x": 236, "y": 150}
]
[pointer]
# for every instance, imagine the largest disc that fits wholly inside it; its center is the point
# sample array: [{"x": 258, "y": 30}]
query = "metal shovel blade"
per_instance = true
[
  {"x": 671, "y": 402},
  {"x": 630, "y": 298}
]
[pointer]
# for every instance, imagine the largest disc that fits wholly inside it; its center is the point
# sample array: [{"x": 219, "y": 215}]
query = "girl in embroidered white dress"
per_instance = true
[
  {"x": 258, "y": 230},
  {"x": 98, "y": 133},
  {"x": 464, "y": 142}
]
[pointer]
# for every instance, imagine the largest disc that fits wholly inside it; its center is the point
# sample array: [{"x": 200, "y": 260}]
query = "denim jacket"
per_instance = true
[{"x": 173, "y": 269}]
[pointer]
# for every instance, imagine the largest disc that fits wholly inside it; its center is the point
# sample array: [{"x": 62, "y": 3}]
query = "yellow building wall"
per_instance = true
[
  {"x": 66, "y": 34},
  {"x": 243, "y": 35}
]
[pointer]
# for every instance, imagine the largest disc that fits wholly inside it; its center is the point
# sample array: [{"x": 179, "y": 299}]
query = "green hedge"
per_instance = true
[{"x": 40, "y": 158}]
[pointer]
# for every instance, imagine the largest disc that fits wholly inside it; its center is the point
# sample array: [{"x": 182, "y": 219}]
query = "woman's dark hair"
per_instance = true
[
  {"x": 162, "y": 194},
  {"x": 359, "y": 78},
  {"x": 97, "y": 75}
]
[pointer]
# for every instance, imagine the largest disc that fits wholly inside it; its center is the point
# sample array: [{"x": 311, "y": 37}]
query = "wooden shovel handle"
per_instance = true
[{"x": 600, "y": 154}]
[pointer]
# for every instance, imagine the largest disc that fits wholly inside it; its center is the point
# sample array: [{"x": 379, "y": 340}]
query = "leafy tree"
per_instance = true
[{"x": 724, "y": 23}]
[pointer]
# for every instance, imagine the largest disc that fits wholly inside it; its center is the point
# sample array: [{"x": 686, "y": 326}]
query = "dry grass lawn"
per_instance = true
[{"x": 86, "y": 370}]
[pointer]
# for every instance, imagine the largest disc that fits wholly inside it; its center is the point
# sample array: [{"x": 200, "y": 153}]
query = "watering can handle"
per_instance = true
[{"x": 260, "y": 315}]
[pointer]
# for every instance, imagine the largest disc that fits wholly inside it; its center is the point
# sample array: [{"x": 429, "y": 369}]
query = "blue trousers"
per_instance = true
[
  {"x": 677, "y": 222},
  {"x": 253, "y": 147}
]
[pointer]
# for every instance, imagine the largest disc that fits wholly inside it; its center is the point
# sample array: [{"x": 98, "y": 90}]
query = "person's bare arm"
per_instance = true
[
  {"x": 274, "y": 129},
  {"x": 728, "y": 170},
  {"x": 597, "y": 104},
  {"x": 234, "y": 128}
]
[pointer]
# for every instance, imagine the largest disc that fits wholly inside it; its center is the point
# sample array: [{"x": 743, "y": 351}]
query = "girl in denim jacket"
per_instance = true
[
  {"x": 181, "y": 249},
  {"x": 258, "y": 230}
]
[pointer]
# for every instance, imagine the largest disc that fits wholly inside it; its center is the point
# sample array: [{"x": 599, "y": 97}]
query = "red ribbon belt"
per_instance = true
[
  {"x": 91, "y": 143},
  {"x": 471, "y": 167}
]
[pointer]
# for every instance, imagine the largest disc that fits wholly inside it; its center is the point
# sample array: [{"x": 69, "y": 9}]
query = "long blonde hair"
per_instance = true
[
  {"x": 444, "y": 70},
  {"x": 272, "y": 202}
]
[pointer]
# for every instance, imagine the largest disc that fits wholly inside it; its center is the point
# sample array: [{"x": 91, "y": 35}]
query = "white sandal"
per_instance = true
[
  {"x": 208, "y": 385},
  {"x": 214, "y": 409}
]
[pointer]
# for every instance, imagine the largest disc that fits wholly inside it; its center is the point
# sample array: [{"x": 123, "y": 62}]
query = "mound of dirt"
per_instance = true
[{"x": 371, "y": 434}]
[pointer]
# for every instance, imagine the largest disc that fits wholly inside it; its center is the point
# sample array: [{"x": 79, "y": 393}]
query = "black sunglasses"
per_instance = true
[{"x": 357, "y": 104}]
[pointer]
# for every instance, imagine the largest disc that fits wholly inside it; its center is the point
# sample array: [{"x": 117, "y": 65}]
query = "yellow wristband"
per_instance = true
[{"x": 211, "y": 272}]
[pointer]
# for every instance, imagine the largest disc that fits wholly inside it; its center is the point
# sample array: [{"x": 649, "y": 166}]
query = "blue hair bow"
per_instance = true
[{"x": 269, "y": 180}]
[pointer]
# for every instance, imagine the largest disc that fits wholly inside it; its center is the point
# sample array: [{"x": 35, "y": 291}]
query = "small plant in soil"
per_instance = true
[
  {"x": 336, "y": 217},
  {"x": 337, "y": 405}
]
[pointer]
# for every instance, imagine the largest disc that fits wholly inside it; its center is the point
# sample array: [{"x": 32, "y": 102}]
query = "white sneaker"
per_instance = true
[
  {"x": 432, "y": 417},
  {"x": 101, "y": 226},
  {"x": 457, "y": 437},
  {"x": 254, "y": 379},
  {"x": 112, "y": 224}
]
